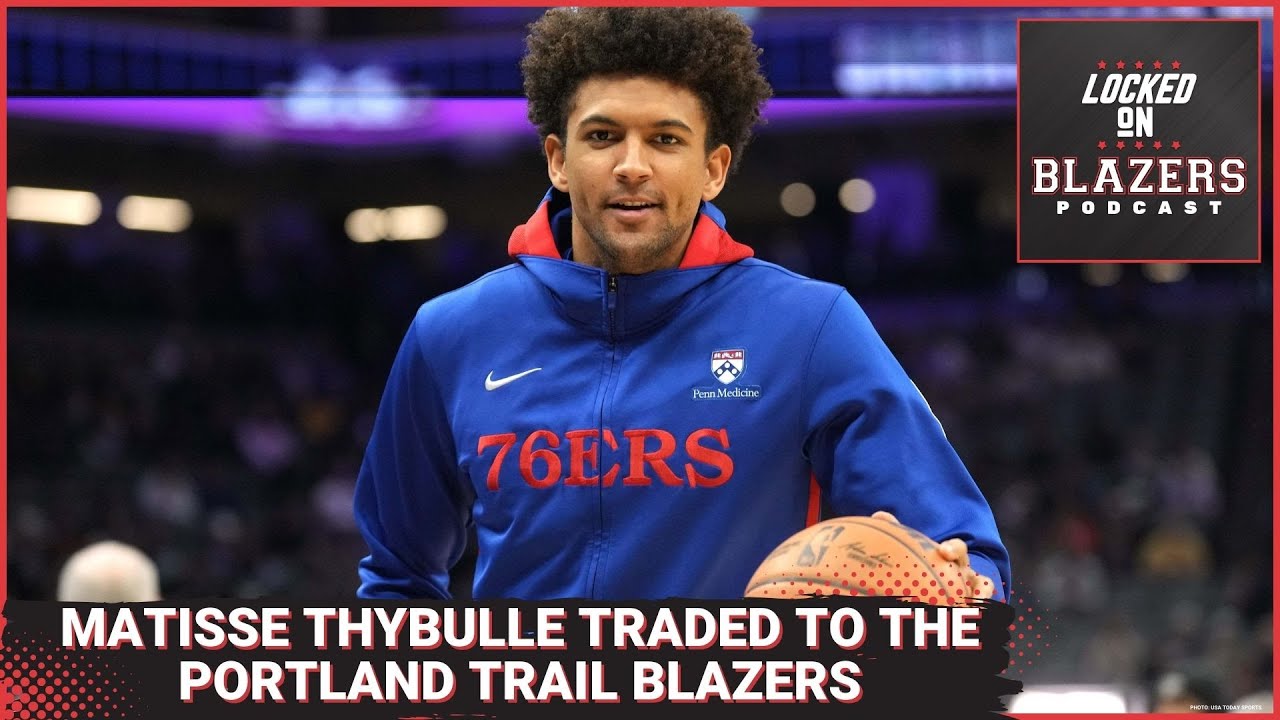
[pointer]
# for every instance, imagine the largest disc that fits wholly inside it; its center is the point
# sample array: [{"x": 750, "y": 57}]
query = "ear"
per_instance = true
[
  {"x": 718, "y": 162},
  {"x": 554, "y": 150}
]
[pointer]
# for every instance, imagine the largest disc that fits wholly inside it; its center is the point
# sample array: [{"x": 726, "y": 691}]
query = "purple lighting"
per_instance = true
[
  {"x": 253, "y": 118},
  {"x": 443, "y": 119}
]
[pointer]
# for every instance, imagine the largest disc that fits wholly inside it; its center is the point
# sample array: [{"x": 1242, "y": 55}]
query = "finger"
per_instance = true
[
  {"x": 885, "y": 515},
  {"x": 955, "y": 550}
]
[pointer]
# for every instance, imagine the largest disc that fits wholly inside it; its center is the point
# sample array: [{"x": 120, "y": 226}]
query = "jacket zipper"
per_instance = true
[{"x": 611, "y": 304}]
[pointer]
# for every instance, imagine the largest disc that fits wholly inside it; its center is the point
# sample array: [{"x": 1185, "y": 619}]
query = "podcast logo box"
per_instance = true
[{"x": 1139, "y": 141}]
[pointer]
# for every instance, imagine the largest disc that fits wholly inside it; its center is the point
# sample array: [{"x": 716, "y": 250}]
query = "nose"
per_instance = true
[{"x": 632, "y": 165}]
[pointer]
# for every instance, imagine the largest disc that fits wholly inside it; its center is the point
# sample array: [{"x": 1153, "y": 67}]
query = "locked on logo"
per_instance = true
[{"x": 1138, "y": 140}]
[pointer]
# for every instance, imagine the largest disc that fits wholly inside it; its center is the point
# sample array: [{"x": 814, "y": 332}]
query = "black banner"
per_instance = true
[{"x": 839, "y": 657}]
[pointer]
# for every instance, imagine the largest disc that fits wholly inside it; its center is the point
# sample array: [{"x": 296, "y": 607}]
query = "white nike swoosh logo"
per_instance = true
[{"x": 491, "y": 384}]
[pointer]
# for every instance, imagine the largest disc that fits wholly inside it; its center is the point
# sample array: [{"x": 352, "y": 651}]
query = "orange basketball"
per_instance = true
[{"x": 859, "y": 556}]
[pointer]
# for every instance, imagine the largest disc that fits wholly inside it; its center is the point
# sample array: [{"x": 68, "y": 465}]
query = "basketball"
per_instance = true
[{"x": 859, "y": 556}]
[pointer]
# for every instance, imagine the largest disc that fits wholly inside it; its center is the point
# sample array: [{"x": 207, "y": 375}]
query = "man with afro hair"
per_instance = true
[{"x": 637, "y": 407}]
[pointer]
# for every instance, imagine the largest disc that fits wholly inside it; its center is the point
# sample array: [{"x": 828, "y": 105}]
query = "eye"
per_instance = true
[
  {"x": 667, "y": 140},
  {"x": 599, "y": 136}
]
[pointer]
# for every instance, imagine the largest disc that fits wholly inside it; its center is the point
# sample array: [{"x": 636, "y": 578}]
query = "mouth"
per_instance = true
[{"x": 632, "y": 209}]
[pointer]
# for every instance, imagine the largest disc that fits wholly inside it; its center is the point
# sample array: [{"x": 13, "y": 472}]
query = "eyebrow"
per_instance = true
[{"x": 606, "y": 120}]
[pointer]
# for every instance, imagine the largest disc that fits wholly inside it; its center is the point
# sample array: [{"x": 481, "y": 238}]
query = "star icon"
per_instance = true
[
  {"x": 1102, "y": 144},
  {"x": 1176, "y": 64},
  {"x": 1102, "y": 64},
  {"x": 1176, "y": 144},
  {"x": 1120, "y": 64},
  {"x": 1157, "y": 64},
  {"x": 1138, "y": 144},
  {"x": 1120, "y": 144},
  {"x": 1156, "y": 145},
  {"x": 1138, "y": 64}
]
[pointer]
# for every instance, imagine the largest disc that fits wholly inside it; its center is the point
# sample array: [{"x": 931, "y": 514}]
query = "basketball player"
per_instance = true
[
  {"x": 109, "y": 571},
  {"x": 636, "y": 407}
]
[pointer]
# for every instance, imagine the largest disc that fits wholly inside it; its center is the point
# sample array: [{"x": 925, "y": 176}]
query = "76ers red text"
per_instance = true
[{"x": 540, "y": 457}]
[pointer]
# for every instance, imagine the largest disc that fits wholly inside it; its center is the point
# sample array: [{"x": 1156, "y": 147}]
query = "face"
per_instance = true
[{"x": 634, "y": 162}]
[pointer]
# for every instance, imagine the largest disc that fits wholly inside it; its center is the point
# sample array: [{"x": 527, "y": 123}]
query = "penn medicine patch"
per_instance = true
[{"x": 727, "y": 365}]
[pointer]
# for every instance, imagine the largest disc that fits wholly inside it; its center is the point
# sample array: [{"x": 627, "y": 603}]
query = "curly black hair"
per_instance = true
[{"x": 707, "y": 50}]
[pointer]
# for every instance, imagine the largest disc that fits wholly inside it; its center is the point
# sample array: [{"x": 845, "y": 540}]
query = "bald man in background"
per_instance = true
[{"x": 109, "y": 571}]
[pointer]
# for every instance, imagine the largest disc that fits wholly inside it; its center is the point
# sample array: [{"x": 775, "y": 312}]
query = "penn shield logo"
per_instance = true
[{"x": 728, "y": 365}]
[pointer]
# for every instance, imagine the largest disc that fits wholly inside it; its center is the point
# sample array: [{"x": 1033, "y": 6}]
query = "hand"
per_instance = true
[{"x": 955, "y": 550}]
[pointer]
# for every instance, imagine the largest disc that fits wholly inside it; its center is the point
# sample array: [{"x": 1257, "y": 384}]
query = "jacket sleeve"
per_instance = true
[
  {"x": 874, "y": 444},
  {"x": 410, "y": 505}
]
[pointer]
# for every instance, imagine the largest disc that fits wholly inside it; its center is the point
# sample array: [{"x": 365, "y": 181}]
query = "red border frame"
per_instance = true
[
  {"x": 5, "y": 4},
  {"x": 4, "y": 348},
  {"x": 1130, "y": 261}
]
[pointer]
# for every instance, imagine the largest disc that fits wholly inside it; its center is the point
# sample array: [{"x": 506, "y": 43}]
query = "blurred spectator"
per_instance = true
[
  {"x": 1115, "y": 653},
  {"x": 1175, "y": 549},
  {"x": 1080, "y": 353},
  {"x": 266, "y": 442},
  {"x": 109, "y": 571},
  {"x": 1071, "y": 580},
  {"x": 168, "y": 495},
  {"x": 331, "y": 498},
  {"x": 1182, "y": 692},
  {"x": 1188, "y": 482}
]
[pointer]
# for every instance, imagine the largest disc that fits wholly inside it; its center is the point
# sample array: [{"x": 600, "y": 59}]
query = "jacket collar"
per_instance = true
[{"x": 640, "y": 302}]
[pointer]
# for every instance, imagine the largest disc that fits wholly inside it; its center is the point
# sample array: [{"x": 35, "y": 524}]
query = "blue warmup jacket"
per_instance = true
[{"x": 643, "y": 436}]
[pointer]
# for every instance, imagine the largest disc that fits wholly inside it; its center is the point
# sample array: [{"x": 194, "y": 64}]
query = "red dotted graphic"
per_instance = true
[
  {"x": 37, "y": 683},
  {"x": 940, "y": 583},
  {"x": 1027, "y": 632}
]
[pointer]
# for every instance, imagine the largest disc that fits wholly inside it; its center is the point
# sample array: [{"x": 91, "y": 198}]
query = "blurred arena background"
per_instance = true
[{"x": 199, "y": 333}]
